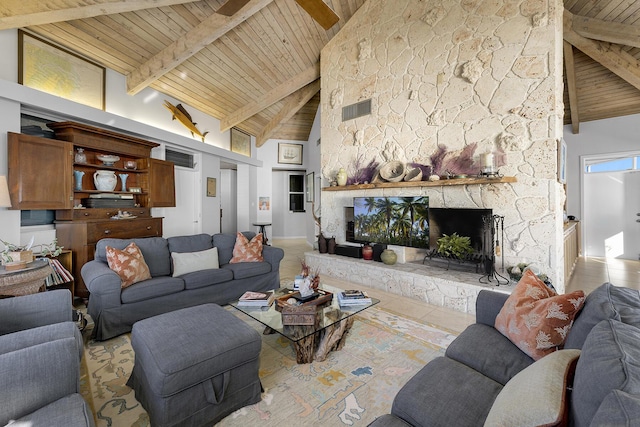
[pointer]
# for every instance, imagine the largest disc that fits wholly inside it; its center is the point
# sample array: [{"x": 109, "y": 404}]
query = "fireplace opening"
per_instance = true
[{"x": 470, "y": 223}]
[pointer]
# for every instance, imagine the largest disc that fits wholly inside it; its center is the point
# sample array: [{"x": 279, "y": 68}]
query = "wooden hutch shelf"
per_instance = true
[
  {"x": 41, "y": 176},
  {"x": 440, "y": 183}
]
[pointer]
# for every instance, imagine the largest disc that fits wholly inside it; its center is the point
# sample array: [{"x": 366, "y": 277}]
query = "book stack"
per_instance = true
[
  {"x": 256, "y": 299},
  {"x": 60, "y": 274},
  {"x": 353, "y": 297}
]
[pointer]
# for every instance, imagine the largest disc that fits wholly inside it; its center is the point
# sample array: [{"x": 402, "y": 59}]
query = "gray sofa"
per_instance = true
[
  {"x": 461, "y": 387},
  {"x": 114, "y": 310},
  {"x": 40, "y": 352}
]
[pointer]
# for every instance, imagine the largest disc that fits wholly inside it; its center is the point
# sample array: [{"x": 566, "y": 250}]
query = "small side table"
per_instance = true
[
  {"x": 29, "y": 280},
  {"x": 262, "y": 230}
]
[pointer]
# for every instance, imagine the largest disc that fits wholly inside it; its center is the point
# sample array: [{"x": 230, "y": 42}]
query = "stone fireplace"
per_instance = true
[{"x": 460, "y": 77}]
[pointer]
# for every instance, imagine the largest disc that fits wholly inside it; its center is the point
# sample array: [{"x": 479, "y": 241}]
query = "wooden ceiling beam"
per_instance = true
[
  {"x": 203, "y": 34},
  {"x": 48, "y": 16},
  {"x": 572, "y": 90},
  {"x": 293, "y": 104},
  {"x": 607, "y": 31},
  {"x": 274, "y": 95},
  {"x": 619, "y": 62}
]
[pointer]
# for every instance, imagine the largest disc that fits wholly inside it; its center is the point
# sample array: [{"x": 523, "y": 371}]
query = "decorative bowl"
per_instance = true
[
  {"x": 414, "y": 174},
  {"x": 107, "y": 159},
  {"x": 393, "y": 171}
]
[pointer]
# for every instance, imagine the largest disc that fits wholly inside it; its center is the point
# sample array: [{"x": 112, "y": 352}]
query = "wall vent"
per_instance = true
[
  {"x": 179, "y": 158},
  {"x": 358, "y": 109}
]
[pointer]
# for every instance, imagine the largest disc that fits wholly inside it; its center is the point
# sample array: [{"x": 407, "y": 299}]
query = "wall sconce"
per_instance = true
[{"x": 5, "y": 200}]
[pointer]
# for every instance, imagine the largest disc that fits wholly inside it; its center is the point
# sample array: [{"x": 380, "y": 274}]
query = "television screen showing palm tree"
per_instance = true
[{"x": 402, "y": 221}]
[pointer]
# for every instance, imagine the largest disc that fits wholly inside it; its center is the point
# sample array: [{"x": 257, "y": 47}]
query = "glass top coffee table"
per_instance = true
[{"x": 328, "y": 331}]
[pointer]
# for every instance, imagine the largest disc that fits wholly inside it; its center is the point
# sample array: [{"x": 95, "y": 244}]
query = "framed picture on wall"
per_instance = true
[
  {"x": 73, "y": 77},
  {"x": 211, "y": 187},
  {"x": 240, "y": 142},
  {"x": 290, "y": 153}
]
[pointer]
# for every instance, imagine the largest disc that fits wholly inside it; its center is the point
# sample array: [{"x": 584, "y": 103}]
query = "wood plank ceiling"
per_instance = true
[
  {"x": 258, "y": 68},
  {"x": 602, "y": 67}
]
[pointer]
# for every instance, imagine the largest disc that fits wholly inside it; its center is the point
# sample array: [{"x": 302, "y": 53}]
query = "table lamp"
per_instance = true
[{"x": 5, "y": 200}]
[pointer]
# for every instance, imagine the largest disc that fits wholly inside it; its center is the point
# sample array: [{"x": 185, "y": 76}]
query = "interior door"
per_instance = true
[
  {"x": 632, "y": 215},
  {"x": 184, "y": 218}
]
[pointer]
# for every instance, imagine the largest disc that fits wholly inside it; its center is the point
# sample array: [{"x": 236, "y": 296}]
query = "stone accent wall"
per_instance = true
[{"x": 471, "y": 73}]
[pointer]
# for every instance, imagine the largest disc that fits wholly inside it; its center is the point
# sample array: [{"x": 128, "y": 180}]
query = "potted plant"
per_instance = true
[
  {"x": 15, "y": 253},
  {"x": 455, "y": 246}
]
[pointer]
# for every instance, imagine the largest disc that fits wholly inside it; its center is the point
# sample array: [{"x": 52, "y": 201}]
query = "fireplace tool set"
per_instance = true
[{"x": 493, "y": 236}]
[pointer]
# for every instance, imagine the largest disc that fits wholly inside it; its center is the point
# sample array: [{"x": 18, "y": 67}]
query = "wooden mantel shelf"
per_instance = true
[{"x": 440, "y": 183}]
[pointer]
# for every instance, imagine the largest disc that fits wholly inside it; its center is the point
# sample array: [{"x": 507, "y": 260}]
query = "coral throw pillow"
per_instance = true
[
  {"x": 128, "y": 263},
  {"x": 247, "y": 251},
  {"x": 535, "y": 318}
]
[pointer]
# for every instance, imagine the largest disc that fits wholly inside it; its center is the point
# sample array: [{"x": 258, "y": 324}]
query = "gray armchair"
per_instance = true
[{"x": 40, "y": 352}]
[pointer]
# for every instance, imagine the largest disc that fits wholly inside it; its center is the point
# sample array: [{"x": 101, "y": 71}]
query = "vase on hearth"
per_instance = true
[
  {"x": 367, "y": 252},
  {"x": 389, "y": 257},
  {"x": 331, "y": 245},
  {"x": 322, "y": 244}
]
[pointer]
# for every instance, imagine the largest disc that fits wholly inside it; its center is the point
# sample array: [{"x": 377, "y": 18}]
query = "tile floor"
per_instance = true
[{"x": 589, "y": 273}]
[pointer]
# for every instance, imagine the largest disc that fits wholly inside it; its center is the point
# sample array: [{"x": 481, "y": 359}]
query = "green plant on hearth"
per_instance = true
[{"x": 454, "y": 246}]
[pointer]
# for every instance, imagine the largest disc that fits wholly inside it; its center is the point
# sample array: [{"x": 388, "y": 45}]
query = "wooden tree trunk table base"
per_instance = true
[{"x": 317, "y": 346}]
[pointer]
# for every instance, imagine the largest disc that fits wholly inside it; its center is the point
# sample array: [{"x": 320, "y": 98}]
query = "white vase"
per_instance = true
[
  {"x": 341, "y": 177},
  {"x": 105, "y": 180}
]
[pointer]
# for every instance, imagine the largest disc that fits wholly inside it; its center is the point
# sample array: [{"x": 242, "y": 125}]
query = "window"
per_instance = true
[
  {"x": 296, "y": 192},
  {"x": 612, "y": 164}
]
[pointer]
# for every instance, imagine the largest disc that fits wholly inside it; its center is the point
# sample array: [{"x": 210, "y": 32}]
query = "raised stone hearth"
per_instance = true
[{"x": 430, "y": 283}]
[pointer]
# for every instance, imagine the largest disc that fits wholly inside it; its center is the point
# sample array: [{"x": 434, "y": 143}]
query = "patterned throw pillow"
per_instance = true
[
  {"x": 247, "y": 251},
  {"x": 128, "y": 263},
  {"x": 535, "y": 318}
]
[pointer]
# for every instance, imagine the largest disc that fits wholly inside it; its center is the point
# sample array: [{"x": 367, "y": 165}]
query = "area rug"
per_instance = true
[{"x": 351, "y": 387}]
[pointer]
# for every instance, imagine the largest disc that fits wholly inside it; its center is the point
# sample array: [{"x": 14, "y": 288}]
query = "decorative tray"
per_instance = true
[{"x": 322, "y": 298}]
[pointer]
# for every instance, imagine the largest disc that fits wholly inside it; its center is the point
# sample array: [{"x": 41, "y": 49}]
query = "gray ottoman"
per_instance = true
[{"x": 194, "y": 366}]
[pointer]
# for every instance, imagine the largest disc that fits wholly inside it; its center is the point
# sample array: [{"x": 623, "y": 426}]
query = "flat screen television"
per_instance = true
[{"x": 402, "y": 221}]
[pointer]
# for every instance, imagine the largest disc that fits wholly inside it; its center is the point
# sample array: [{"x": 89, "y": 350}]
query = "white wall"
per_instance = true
[
  {"x": 270, "y": 184},
  {"x": 617, "y": 135},
  {"x": 312, "y": 161},
  {"x": 142, "y": 115}
]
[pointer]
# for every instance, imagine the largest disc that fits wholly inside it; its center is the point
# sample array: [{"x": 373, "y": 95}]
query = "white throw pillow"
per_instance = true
[
  {"x": 188, "y": 262},
  {"x": 536, "y": 395}
]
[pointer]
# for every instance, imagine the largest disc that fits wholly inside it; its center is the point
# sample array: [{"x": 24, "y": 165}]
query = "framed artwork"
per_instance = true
[
  {"x": 240, "y": 142},
  {"x": 46, "y": 67},
  {"x": 263, "y": 203},
  {"x": 310, "y": 193},
  {"x": 562, "y": 161},
  {"x": 290, "y": 153},
  {"x": 211, "y": 187}
]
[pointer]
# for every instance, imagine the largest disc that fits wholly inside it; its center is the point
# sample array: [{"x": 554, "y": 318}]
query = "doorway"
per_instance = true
[
  {"x": 611, "y": 205},
  {"x": 184, "y": 218},
  {"x": 228, "y": 201}
]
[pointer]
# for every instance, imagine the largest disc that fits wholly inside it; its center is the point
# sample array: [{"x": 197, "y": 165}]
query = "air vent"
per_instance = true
[
  {"x": 358, "y": 109},
  {"x": 179, "y": 158}
]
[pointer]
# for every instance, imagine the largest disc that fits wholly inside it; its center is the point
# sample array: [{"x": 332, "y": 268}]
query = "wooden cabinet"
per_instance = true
[
  {"x": 571, "y": 248},
  {"x": 42, "y": 176},
  {"x": 40, "y": 172},
  {"x": 82, "y": 236}
]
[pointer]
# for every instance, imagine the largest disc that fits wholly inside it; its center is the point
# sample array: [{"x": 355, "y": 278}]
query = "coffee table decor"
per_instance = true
[{"x": 314, "y": 326}]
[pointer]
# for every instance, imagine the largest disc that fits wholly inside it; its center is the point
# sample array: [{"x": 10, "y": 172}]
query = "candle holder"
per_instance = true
[{"x": 488, "y": 167}]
